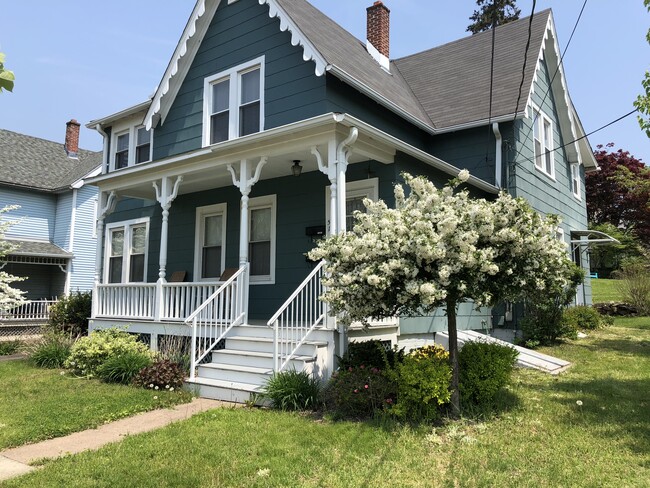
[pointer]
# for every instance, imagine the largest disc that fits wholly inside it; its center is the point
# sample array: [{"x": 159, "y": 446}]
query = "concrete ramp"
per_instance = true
[{"x": 527, "y": 357}]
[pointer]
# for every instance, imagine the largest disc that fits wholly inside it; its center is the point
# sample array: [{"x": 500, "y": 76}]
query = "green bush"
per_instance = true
[
  {"x": 162, "y": 374},
  {"x": 293, "y": 390},
  {"x": 423, "y": 380},
  {"x": 583, "y": 317},
  {"x": 635, "y": 285},
  {"x": 89, "y": 353},
  {"x": 71, "y": 313},
  {"x": 122, "y": 368},
  {"x": 51, "y": 351},
  {"x": 9, "y": 347},
  {"x": 370, "y": 354},
  {"x": 359, "y": 392},
  {"x": 485, "y": 368}
]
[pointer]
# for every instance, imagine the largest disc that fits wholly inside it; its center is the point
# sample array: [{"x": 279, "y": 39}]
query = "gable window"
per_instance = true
[
  {"x": 356, "y": 192},
  {"x": 126, "y": 251},
  {"x": 132, "y": 146},
  {"x": 261, "y": 239},
  {"x": 543, "y": 137},
  {"x": 233, "y": 104},
  {"x": 575, "y": 180},
  {"x": 210, "y": 252}
]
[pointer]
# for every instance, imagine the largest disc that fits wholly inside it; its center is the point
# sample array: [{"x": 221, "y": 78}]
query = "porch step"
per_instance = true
[
  {"x": 235, "y": 373},
  {"x": 265, "y": 344},
  {"x": 228, "y": 391},
  {"x": 255, "y": 359}
]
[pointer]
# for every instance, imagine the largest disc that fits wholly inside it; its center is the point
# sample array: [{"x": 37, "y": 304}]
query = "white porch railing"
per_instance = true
[
  {"x": 33, "y": 310},
  {"x": 224, "y": 309},
  {"x": 179, "y": 300},
  {"x": 126, "y": 301},
  {"x": 294, "y": 321}
]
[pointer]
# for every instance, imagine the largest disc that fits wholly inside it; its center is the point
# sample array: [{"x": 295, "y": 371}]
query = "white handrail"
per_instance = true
[
  {"x": 297, "y": 317},
  {"x": 213, "y": 319}
]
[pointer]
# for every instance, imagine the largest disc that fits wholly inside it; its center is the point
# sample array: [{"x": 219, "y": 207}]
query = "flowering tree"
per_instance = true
[
  {"x": 439, "y": 247},
  {"x": 9, "y": 297}
]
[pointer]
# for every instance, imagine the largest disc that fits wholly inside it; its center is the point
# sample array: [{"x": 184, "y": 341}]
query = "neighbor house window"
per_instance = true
[
  {"x": 356, "y": 192},
  {"x": 575, "y": 180},
  {"x": 210, "y": 252},
  {"x": 261, "y": 239},
  {"x": 132, "y": 147},
  {"x": 233, "y": 103},
  {"x": 543, "y": 137},
  {"x": 126, "y": 251}
]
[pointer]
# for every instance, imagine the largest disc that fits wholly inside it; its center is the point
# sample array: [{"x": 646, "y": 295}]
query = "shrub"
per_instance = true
[
  {"x": 9, "y": 347},
  {"x": 162, "y": 374},
  {"x": 293, "y": 390},
  {"x": 90, "y": 352},
  {"x": 51, "y": 351},
  {"x": 635, "y": 285},
  {"x": 583, "y": 317},
  {"x": 176, "y": 348},
  {"x": 359, "y": 392},
  {"x": 485, "y": 368},
  {"x": 71, "y": 313},
  {"x": 371, "y": 354},
  {"x": 423, "y": 379},
  {"x": 122, "y": 368}
]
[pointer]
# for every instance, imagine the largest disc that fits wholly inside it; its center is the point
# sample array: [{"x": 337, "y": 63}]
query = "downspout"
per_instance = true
[
  {"x": 498, "y": 159},
  {"x": 99, "y": 129}
]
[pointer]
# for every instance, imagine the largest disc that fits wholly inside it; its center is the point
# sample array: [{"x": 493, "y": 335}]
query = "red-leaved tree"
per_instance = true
[{"x": 618, "y": 193}]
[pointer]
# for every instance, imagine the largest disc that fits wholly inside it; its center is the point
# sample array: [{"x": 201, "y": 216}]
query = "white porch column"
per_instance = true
[
  {"x": 330, "y": 170},
  {"x": 165, "y": 195},
  {"x": 245, "y": 184},
  {"x": 106, "y": 205},
  {"x": 343, "y": 152}
]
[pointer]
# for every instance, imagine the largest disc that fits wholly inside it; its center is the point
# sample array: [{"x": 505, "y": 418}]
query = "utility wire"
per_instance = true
[
  {"x": 494, "y": 33},
  {"x": 523, "y": 70}
]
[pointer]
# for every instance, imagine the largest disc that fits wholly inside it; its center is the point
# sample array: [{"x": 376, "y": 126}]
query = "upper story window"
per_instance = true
[
  {"x": 575, "y": 180},
  {"x": 233, "y": 103},
  {"x": 131, "y": 146},
  {"x": 543, "y": 137}
]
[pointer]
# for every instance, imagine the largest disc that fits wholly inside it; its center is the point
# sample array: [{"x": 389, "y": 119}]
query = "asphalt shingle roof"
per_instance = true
[
  {"x": 37, "y": 248},
  {"x": 31, "y": 162}
]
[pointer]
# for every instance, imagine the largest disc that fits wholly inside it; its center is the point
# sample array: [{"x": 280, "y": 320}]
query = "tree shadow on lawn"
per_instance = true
[
  {"x": 620, "y": 409},
  {"x": 623, "y": 345}
]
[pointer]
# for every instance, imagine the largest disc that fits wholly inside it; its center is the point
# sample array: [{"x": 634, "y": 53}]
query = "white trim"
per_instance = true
[
  {"x": 234, "y": 76},
  {"x": 544, "y": 138},
  {"x": 575, "y": 180},
  {"x": 127, "y": 225},
  {"x": 368, "y": 188},
  {"x": 266, "y": 201},
  {"x": 201, "y": 214}
]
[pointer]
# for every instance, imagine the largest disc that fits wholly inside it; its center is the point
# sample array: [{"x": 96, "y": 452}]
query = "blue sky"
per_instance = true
[{"x": 85, "y": 59}]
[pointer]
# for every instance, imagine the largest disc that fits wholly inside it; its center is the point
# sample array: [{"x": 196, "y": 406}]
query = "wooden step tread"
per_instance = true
[
  {"x": 235, "y": 352},
  {"x": 224, "y": 384},
  {"x": 235, "y": 367},
  {"x": 270, "y": 340}
]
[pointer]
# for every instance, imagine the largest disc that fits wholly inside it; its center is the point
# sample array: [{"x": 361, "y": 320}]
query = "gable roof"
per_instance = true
[
  {"x": 31, "y": 162},
  {"x": 452, "y": 81}
]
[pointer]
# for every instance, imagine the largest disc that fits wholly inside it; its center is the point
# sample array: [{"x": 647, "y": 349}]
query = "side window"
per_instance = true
[
  {"x": 126, "y": 252},
  {"x": 210, "y": 251},
  {"x": 261, "y": 239},
  {"x": 575, "y": 180},
  {"x": 143, "y": 145},
  {"x": 356, "y": 192},
  {"x": 122, "y": 151},
  {"x": 543, "y": 142},
  {"x": 130, "y": 147}
]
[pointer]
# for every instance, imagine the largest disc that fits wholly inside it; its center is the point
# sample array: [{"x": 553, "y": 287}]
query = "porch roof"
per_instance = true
[{"x": 39, "y": 249}]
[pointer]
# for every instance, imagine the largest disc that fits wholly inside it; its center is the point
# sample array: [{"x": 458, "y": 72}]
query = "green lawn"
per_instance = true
[
  {"x": 540, "y": 438},
  {"x": 38, "y": 404},
  {"x": 605, "y": 290}
]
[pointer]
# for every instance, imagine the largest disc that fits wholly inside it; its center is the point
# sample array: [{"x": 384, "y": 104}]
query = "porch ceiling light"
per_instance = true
[{"x": 296, "y": 169}]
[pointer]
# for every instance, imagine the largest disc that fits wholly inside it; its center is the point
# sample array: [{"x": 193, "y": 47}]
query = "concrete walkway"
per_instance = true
[{"x": 16, "y": 461}]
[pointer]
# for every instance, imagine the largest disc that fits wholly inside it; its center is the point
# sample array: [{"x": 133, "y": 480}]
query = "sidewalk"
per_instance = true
[{"x": 16, "y": 461}]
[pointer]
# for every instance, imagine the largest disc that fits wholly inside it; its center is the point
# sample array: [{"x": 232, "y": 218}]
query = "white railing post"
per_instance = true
[
  {"x": 276, "y": 356},
  {"x": 158, "y": 302},
  {"x": 193, "y": 351}
]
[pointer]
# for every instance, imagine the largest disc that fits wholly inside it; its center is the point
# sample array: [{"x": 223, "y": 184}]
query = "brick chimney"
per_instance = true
[
  {"x": 379, "y": 28},
  {"x": 72, "y": 138}
]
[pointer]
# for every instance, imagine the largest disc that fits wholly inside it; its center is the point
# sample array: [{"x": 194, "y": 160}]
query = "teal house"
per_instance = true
[{"x": 269, "y": 127}]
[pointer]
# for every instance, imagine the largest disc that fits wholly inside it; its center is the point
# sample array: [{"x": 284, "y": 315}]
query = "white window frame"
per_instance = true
[
  {"x": 266, "y": 201},
  {"x": 234, "y": 75},
  {"x": 127, "y": 225},
  {"x": 575, "y": 181},
  {"x": 539, "y": 117},
  {"x": 133, "y": 144},
  {"x": 368, "y": 188},
  {"x": 201, "y": 214}
]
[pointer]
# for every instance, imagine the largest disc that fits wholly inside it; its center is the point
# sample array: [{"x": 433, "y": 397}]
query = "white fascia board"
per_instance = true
[
  {"x": 82, "y": 181},
  {"x": 398, "y": 144},
  {"x": 141, "y": 107},
  {"x": 483, "y": 122}
]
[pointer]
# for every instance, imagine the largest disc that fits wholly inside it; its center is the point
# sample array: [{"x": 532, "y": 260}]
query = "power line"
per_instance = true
[
  {"x": 523, "y": 71},
  {"x": 494, "y": 33}
]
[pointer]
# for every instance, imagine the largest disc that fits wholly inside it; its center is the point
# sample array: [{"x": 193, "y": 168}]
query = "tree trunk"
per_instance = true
[{"x": 453, "y": 356}]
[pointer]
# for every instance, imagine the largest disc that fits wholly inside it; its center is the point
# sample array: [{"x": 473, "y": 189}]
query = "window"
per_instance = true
[
  {"x": 543, "y": 137},
  {"x": 132, "y": 146},
  {"x": 575, "y": 180},
  {"x": 126, "y": 251},
  {"x": 210, "y": 252},
  {"x": 233, "y": 104},
  {"x": 356, "y": 192},
  {"x": 261, "y": 239}
]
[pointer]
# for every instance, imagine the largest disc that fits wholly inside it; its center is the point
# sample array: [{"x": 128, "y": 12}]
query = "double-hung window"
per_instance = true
[
  {"x": 142, "y": 145},
  {"x": 261, "y": 239},
  {"x": 132, "y": 146},
  {"x": 122, "y": 151},
  {"x": 356, "y": 193},
  {"x": 210, "y": 252},
  {"x": 233, "y": 104},
  {"x": 543, "y": 137},
  {"x": 126, "y": 251},
  {"x": 575, "y": 180}
]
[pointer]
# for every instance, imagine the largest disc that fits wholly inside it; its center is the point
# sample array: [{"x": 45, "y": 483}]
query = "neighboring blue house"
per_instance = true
[
  {"x": 267, "y": 130},
  {"x": 55, "y": 236}
]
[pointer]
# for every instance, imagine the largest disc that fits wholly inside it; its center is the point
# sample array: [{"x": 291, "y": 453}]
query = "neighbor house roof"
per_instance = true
[
  {"x": 35, "y": 163},
  {"x": 37, "y": 249}
]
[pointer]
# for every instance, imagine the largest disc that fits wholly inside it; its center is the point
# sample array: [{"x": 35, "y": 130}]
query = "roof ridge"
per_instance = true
[{"x": 47, "y": 140}]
